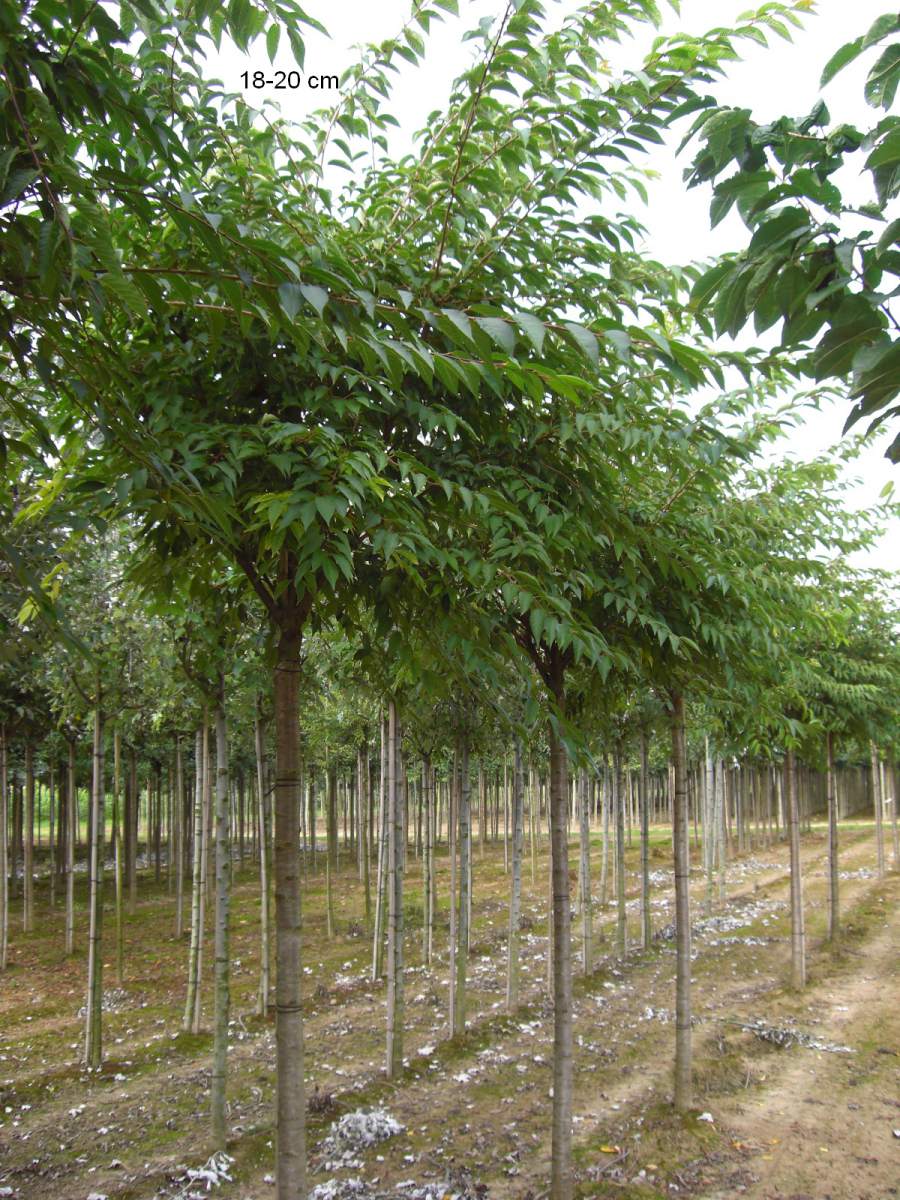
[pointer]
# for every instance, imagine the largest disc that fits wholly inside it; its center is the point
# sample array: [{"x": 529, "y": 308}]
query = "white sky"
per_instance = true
[{"x": 782, "y": 79}]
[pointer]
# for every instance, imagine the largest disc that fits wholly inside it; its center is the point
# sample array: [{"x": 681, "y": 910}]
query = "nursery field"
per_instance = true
[{"x": 816, "y": 1117}]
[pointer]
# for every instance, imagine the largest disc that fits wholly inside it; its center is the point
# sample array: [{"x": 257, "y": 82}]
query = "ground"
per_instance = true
[{"x": 796, "y": 1122}]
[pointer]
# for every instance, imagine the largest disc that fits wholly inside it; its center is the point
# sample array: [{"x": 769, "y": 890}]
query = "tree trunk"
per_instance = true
[
  {"x": 117, "y": 846},
  {"x": 427, "y": 858},
  {"x": 381, "y": 881},
  {"x": 263, "y": 850},
  {"x": 28, "y": 856},
  {"x": 680, "y": 818},
  {"x": 452, "y": 810},
  {"x": 876, "y": 802},
  {"x": 93, "y": 1027},
  {"x": 515, "y": 893},
  {"x": 621, "y": 915},
  {"x": 178, "y": 831},
  {"x": 644, "y": 803},
  {"x": 561, "y": 1147},
  {"x": 4, "y": 863},
  {"x": 834, "y": 920},
  {"x": 798, "y": 930},
  {"x": 587, "y": 913},
  {"x": 395, "y": 903},
  {"x": 221, "y": 936},
  {"x": 193, "y": 975},
  {"x": 465, "y": 857},
  {"x": 290, "y": 1093},
  {"x": 72, "y": 814}
]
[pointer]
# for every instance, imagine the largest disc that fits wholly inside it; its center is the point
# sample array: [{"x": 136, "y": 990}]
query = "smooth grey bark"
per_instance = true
[
  {"x": 28, "y": 855},
  {"x": 427, "y": 858},
  {"x": 72, "y": 817},
  {"x": 722, "y": 840},
  {"x": 290, "y": 1092},
  {"x": 362, "y": 773},
  {"x": 117, "y": 846},
  {"x": 644, "y": 805},
  {"x": 878, "y": 804},
  {"x": 395, "y": 903},
  {"x": 710, "y": 824},
  {"x": 222, "y": 996},
  {"x": 798, "y": 928},
  {"x": 51, "y": 847},
  {"x": 681, "y": 837},
  {"x": 263, "y": 851},
  {"x": 465, "y": 857},
  {"x": 621, "y": 912},
  {"x": 381, "y": 882},
  {"x": 584, "y": 873},
  {"x": 834, "y": 918},
  {"x": 178, "y": 823},
  {"x": 604, "y": 861},
  {"x": 193, "y": 974},
  {"x": 4, "y": 861},
  {"x": 93, "y": 1025},
  {"x": 515, "y": 891},
  {"x": 452, "y": 810},
  {"x": 561, "y": 1182}
]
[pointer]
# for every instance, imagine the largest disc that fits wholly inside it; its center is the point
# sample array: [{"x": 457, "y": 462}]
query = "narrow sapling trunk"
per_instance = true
[
  {"x": 4, "y": 863},
  {"x": 465, "y": 857},
  {"x": 621, "y": 911},
  {"x": 584, "y": 829},
  {"x": 561, "y": 1142},
  {"x": 93, "y": 1027},
  {"x": 395, "y": 903},
  {"x": 680, "y": 818},
  {"x": 515, "y": 893},
  {"x": 644, "y": 802},
  {"x": 193, "y": 982},
  {"x": 798, "y": 928},
  {"x": 263, "y": 850},
  {"x": 28, "y": 856},
  {"x": 290, "y": 1093},
  {"x": 178, "y": 822},
  {"x": 878, "y": 805},
  {"x": 834, "y": 919},
  {"x": 221, "y": 935},
  {"x": 117, "y": 844},
  {"x": 72, "y": 815}
]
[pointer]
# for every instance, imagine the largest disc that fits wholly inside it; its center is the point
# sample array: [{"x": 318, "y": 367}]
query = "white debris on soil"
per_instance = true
[
  {"x": 341, "y": 1189},
  {"x": 213, "y": 1173},
  {"x": 354, "y": 1132},
  {"x": 665, "y": 1015},
  {"x": 114, "y": 1000},
  {"x": 784, "y": 1037}
]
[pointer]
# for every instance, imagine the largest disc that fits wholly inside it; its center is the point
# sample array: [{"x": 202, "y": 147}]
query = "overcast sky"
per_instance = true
[{"x": 782, "y": 78}]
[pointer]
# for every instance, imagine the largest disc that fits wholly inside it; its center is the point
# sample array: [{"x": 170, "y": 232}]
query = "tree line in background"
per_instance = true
[{"x": 308, "y": 484}]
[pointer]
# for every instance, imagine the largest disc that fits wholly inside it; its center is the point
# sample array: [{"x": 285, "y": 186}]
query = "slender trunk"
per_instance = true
[
  {"x": 427, "y": 858},
  {"x": 178, "y": 830},
  {"x": 117, "y": 846},
  {"x": 263, "y": 850},
  {"x": 604, "y": 862},
  {"x": 709, "y": 825},
  {"x": 290, "y": 1094},
  {"x": 4, "y": 862},
  {"x": 28, "y": 856},
  {"x": 223, "y": 901},
  {"x": 621, "y": 918},
  {"x": 193, "y": 982},
  {"x": 205, "y": 832},
  {"x": 644, "y": 803},
  {"x": 834, "y": 921},
  {"x": 93, "y": 1029},
  {"x": 561, "y": 1142},
  {"x": 362, "y": 771},
  {"x": 515, "y": 893},
  {"x": 465, "y": 877},
  {"x": 453, "y": 809},
  {"x": 72, "y": 814},
  {"x": 51, "y": 844},
  {"x": 378, "y": 936},
  {"x": 877, "y": 803},
  {"x": 891, "y": 772},
  {"x": 798, "y": 931},
  {"x": 395, "y": 902},
  {"x": 680, "y": 818},
  {"x": 587, "y": 913}
]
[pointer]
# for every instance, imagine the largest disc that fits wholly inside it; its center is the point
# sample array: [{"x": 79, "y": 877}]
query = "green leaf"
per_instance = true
[
  {"x": 533, "y": 329},
  {"x": 587, "y": 341},
  {"x": 500, "y": 331},
  {"x": 846, "y": 54},
  {"x": 291, "y": 296},
  {"x": 316, "y": 296}
]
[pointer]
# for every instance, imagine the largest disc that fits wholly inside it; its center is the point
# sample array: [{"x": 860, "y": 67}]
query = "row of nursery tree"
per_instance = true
[{"x": 317, "y": 447}]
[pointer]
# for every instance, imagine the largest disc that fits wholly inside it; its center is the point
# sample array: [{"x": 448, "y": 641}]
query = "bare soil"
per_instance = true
[{"x": 798, "y": 1122}]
